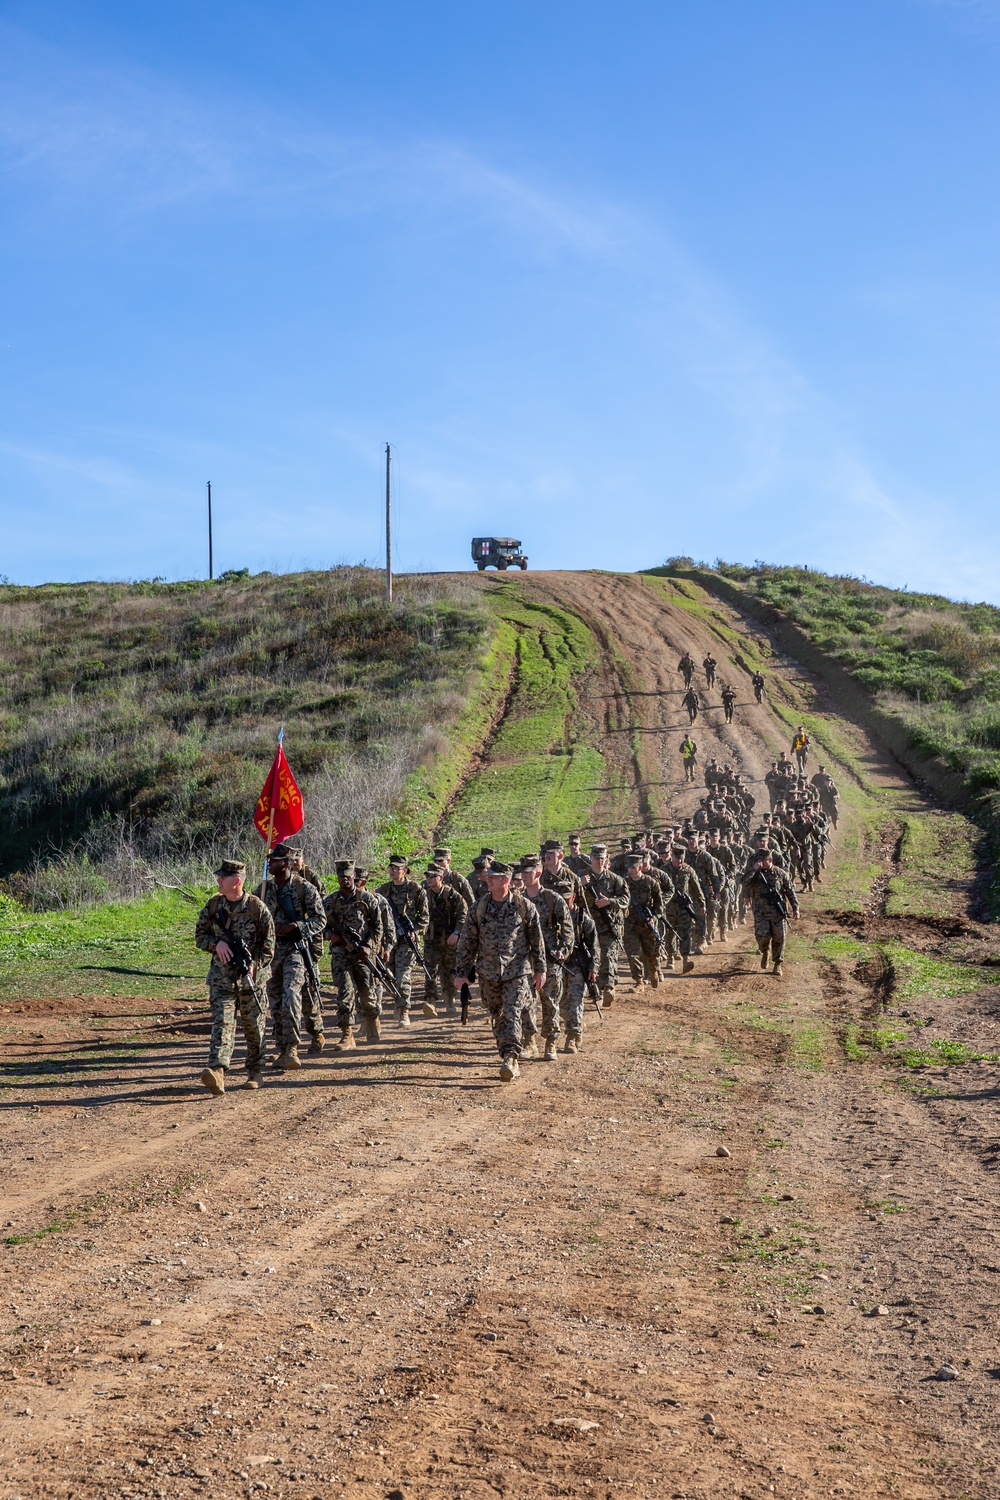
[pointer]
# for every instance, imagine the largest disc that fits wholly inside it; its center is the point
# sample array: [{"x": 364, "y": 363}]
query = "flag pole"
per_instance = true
[{"x": 270, "y": 827}]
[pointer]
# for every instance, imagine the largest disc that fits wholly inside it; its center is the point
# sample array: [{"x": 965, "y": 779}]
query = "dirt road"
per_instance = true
[{"x": 392, "y": 1275}]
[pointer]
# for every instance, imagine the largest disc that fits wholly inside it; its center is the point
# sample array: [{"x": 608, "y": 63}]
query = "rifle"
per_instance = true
[
  {"x": 242, "y": 959},
  {"x": 643, "y": 915},
  {"x": 775, "y": 897},
  {"x": 463, "y": 996},
  {"x": 581, "y": 951},
  {"x": 301, "y": 946},
  {"x": 356, "y": 949},
  {"x": 406, "y": 930}
]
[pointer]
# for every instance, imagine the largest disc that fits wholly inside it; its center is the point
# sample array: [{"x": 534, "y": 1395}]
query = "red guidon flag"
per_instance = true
[{"x": 279, "y": 811}]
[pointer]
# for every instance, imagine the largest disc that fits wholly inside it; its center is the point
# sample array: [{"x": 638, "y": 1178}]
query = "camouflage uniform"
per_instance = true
[
  {"x": 408, "y": 899},
  {"x": 250, "y": 920},
  {"x": 503, "y": 941},
  {"x": 685, "y": 893},
  {"x": 642, "y": 944},
  {"x": 728, "y": 704},
  {"x": 557, "y": 932},
  {"x": 299, "y": 902},
  {"x": 710, "y": 878},
  {"x": 359, "y": 914},
  {"x": 446, "y": 915},
  {"x": 461, "y": 885},
  {"x": 610, "y": 922},
  {"x": 768, "y": 924},
  {"x": 585, "y": 940},
  {"x": 312, "y": 1005},
  {"x": 731, "y": 868}
]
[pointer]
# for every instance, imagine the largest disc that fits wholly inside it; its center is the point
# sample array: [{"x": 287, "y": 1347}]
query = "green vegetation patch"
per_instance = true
[{"x": 539, "y": 776}]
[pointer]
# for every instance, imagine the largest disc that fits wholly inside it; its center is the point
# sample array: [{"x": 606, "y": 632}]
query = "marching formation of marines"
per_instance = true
[{"x": 541, "y": 935}]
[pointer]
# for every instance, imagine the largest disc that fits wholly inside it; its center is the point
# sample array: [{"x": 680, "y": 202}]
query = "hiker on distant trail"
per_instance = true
[
  {"x": 690, "y": 701},
  {"x": 502, "y": 940},
  {"x": 689, "y": 755},
  {"x": 686, "y": 666},
  {"x": 771, "y": 895},
  {"x": 728, "y": 702},
  {"x": 800, "y": 748},
  {"x": 235, "y": 925},
  {"x": 757, "y": 683},
  {"x": 710, "y": 665}
]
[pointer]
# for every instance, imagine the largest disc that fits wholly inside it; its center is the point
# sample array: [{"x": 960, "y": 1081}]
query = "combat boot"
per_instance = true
[
  {"x": 253, "y": 1081},
  {"x": 289, "y": 1059},
  {"x": 450, "y": 1008},
  {"x": 403, "y": 1015},
  {"x": 373, "y": 1031},
  {"x": 607, "y": 998},
  {"x": 654, "y": 982},
  {"x": 509, "y": 1069},
  {"x": 317, "y": 1044},
  {"x": 572, "y": 1043},
  {"x": 428, "y": 1010},
  {"x": 550, "y": 1054},
  {"x": 763, "y": 958},
  {"x": 214, "y": 1079},
  {"x": 668, "y": 963},
  {"x": 777, "y": 970},
  {"x": 529, "y": 1049},
  {"x": 687, "y": 966},
  {"x": 347, "y": 1042}
]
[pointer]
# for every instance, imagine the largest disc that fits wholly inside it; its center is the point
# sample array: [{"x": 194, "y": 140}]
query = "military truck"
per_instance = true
[{"x": 497, "y": 551}]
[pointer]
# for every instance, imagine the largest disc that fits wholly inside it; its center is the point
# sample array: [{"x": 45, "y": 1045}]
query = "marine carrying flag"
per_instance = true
[{"x": 279, "y": 811}]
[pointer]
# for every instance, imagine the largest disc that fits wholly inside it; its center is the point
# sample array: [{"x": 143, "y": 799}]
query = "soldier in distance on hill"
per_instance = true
[
  {"x": 728, "y": 702},
  {"x": 710, "y": 665},
  {"x": 235, "y": 919},
  {"x": 502, "y": 940},
  {"x": 689, "y": 757},
  {"x": 686, "y": 667},
  {"x": 757, "y": 683},
  {"x": 690, "y": 702},
  {"x": 297, "y": 910}
]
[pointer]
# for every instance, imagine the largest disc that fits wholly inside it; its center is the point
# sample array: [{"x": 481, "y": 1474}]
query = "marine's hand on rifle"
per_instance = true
[
  {"x": 602, "y": 900},
  {"x": 287, "y": 929},
  {"x": 592, "y": 976},
  {"x": 223, "y": 952}
]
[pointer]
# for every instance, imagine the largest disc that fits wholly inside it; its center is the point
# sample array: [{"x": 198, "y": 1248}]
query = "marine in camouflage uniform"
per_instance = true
[
  {"x": 607, "y": 899},
  {"x": 357, "y": 912},
  {"x": 237, "y": 912},
  {"x": 583, "y": 967},
  {"x": 767, "y": 889},
  {"x": 502, "y": 939},
  {"x": 312, "y": 1004},
  {"x": 719, "y": 849},
  {"x": 476, "y": 878},
  {"x": 297, "y": 910},
  {"x": 446, "y": 915},
  {"x": 407, "y": 903},
  {"x": 642, "y": 940},
  {"x": 683, "y": 907},
  {"x": 457, "y": 882},
  {"x": 710, "y": 878},
  {"x": 577, "y": 862},
  {"x": 557, "y": 932}
]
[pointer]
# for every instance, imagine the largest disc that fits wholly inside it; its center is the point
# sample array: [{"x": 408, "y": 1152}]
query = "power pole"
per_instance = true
[
  {"x": 388, "y": 528},
  {"x": 209, "y": 530}
]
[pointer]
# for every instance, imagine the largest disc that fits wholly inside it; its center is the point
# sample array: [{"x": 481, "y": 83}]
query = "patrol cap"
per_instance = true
[
  {"x": 399, "y": 859},
  {"x": 678, "y": 849},
  {"x": 345, "y": 867},
  {"x": 599, "y": 849},
  {"x": 498, "y": 867},
  {"x": 480, "y": 863},
  {"x": 625, "y": 843},
  {"x": 528, "y": 862},
  {"x": 443, "y": 853},
  {"x": 360, "y": 874},
  {"x": 434, "y": 872},
  {"x": 574, "y": 837},
  {"x": 485, "y": 853},
  {"x": 634, "y": 859},
  {"x": 231, "y": 867},
  {"x": 282, "y": 851}
]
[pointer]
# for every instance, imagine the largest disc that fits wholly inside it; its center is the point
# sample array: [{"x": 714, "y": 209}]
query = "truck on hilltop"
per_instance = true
[{"x": 499, "y": 552}]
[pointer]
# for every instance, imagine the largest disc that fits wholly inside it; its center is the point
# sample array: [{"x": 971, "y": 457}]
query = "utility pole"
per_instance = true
[
  {"x": 388, "y": 528},
  {"x": 209, "y": 530}
]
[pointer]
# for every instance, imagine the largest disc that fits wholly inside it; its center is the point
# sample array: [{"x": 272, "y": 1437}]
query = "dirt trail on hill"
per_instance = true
[{"x": 389, "y": 1275}]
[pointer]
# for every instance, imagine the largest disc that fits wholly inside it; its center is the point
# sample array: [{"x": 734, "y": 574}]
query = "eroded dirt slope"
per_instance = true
[{"x": 392, "y": 1274}]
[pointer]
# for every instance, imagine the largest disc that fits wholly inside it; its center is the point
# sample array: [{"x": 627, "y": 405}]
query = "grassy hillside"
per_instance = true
[
  {"x": 931, "y": 663},
  {"x": 137, "y": 720}
]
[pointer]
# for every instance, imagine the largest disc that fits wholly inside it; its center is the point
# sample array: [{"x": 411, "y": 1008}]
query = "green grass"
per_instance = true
[
  {"x": 147, "y": 712},
  {"x": 540, "y": 777}
]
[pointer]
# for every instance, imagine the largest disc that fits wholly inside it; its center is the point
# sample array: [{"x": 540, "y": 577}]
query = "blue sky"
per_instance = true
[{"x": 624, "y": 280}]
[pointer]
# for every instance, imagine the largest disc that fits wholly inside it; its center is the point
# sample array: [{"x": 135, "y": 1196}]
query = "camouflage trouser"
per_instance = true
[
  {"x": 727, "y": 906},
  {"x": 769, "y": 930},
  {"x": 802, "y": 756},
  {"x": 400, "y": 961},
  {"x": 312, "y": 1005},
  {"x": 573, "y": 998},
  {"x": 683, "y": 923},
  {"x": 641, "y": 950},
  {"x": 284, "y": 998},
  {"x": 705, "y": 925},
  {"x": 440, "y": 961},
  {"x": 728, "y": 710},
  {"x": 352, "y": 980},
  {"x": 552, "y": 993},
  {"x": 611, "y": 952},
  {"x": 511, "y": 1006},
  {"x": 689, "y": 769},
  {"x": 224, "y": 997}
]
